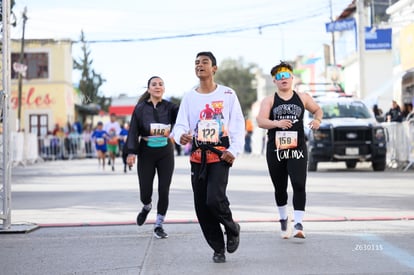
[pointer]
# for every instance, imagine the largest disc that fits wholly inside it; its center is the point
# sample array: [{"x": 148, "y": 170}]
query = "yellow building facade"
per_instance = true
[{"x": 47, "y": 94}]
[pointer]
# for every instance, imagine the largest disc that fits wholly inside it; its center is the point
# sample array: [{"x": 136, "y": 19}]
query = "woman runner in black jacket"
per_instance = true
[{"x": 149, "y": 139}]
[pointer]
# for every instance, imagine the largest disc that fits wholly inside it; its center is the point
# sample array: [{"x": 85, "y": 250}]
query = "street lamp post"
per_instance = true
[
  {"x": 333, "y": 37},
  {"x": 361, "y": 47}
]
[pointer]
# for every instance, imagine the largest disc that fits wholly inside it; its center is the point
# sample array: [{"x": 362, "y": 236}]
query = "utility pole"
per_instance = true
[
  {"x": 333, "y": 36},
  {"x": 5, "y": 143},
  {"x": 19, "y": 110},
  {"x": 5, "y": 158},
  {"x": 361, "y": 47}
]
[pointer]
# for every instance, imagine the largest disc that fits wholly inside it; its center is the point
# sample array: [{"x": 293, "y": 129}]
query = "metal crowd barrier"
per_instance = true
[
  {"x": 56, "y": 148},
  {"x": 400, "y": 143},
  {"x": 24, "y": 149},
  {"x": 409, "y": 130}
]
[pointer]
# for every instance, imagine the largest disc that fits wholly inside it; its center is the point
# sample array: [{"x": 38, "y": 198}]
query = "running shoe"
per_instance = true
[
  {"x": 142, "y": 216},
  {"x": 159, "y": 233},
  {"x": 233, "y": 240},
  {"x": 219, "y": 257},
  {"x": 298, "y": 231},
  {"x": 285, "y": 228}
]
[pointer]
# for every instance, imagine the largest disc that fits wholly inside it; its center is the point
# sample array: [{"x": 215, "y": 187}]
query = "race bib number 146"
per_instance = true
[{"x": 160, "y": 129}]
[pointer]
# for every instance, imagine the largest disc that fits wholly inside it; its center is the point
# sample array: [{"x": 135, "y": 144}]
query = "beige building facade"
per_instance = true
[{"x": 47, "y": 94}]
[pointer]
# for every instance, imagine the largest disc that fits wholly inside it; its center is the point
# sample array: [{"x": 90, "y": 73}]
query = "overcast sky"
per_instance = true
[{"x": 131, "y": 40}]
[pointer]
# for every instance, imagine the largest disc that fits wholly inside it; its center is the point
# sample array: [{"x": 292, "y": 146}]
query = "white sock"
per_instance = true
[
  {"x": 159, "y": 221},
  {"x": 298, "y": 216},
  {"x": 283, "y": 212}
]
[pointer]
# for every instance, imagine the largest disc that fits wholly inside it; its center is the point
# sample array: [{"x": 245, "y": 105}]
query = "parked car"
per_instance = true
[{"x": 348, "y": 133}]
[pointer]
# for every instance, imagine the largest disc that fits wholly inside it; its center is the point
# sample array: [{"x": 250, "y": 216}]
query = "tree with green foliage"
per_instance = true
[
  {"x": 90, "y": 81},
  {"x": 235, "y": 74}
]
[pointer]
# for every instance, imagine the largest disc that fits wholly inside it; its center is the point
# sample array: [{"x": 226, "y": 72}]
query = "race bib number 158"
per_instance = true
[{"x": 286, "y": 140}]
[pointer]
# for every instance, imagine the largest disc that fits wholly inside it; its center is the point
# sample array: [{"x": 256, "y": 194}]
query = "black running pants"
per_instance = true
[
  {"x": 155, "y": 160},
  {"x": 211, "y": 203},
  {"x": 284, "y": 165}
]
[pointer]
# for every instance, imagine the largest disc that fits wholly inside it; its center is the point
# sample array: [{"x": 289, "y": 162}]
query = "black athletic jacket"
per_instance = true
[{"x": 144, "y": 114}]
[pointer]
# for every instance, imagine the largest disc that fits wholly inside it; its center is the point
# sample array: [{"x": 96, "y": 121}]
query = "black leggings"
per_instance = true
[
  {"x": 151, "y": 160},
  {"x": 211, "y": 203},
  {"x": 284, "y": 164}
]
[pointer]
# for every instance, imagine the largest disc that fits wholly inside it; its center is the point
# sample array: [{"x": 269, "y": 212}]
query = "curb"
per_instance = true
[{"x": 193, "y": 221}]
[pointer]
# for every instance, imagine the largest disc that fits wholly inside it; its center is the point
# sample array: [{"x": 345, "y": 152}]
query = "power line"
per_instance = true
[{"x": 227, "y": 31}]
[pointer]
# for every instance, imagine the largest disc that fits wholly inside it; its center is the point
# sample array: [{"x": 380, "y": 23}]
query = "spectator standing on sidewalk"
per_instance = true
[
  {"x": 379, "y": 116},
  {"x": 57, "y": 142},
  {"x": 149, "y": 140},
  {"x": 406, "y": 110},
  {"x": 87, "y": 139},
  {"x": 74, "y": 139},
  {"x": 287, "y": 155},
  {"x": 210, "y": 117},
  {"x": 56, "y": 129},
  {"x": 394, "y": 114}
]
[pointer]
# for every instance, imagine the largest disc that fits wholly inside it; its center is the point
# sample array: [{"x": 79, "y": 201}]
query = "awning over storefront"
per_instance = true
[
  {"x": 88, "y": 109},
  {"x": 121, "y": 110}
]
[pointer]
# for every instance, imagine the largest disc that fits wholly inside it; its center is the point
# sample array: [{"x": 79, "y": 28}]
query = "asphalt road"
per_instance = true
[{"x": 357, "y": 222}]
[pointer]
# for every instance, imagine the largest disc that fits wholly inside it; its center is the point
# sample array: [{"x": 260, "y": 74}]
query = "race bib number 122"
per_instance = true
[{"x": 208, "y": 131}]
